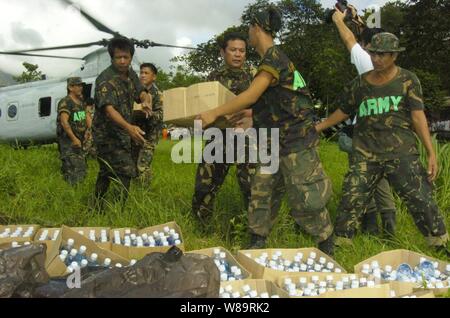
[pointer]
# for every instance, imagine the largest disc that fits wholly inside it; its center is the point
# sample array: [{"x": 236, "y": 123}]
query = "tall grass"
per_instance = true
[{"x": 33, "y": 191}]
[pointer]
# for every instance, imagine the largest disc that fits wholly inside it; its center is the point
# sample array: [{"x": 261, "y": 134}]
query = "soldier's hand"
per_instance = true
[
  {"x": 237, "y": 119},
  {"x": 136, "y": 134},
  {"x": 433, "y": 168},
  {"x": 76, "y": 143},
  {"x": 338, "y": 15},
  {"x": 207, "y": 118}
]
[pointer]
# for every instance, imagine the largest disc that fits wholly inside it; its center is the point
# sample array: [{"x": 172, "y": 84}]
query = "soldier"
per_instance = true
[
  {"x": 73, "y": 125},
  {"x": 88, "y": 146},
  {"x": 117, "y": 88},
  {"x": 389, "y": 105},
  {"x": 151, "y": 125},
  {"x": 383, "y": 200},
  {"x": 282, "y": 101},
  {"x": 210, "y": 176}
]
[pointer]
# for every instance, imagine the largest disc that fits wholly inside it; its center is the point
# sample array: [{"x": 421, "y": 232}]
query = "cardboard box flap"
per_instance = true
[{"x": 259, "y": 285}]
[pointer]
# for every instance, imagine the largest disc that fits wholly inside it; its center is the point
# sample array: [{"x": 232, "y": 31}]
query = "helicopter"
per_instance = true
[{"x": 28, "y": 112}]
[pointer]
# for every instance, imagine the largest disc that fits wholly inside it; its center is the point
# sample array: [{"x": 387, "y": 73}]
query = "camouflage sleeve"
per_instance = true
[
  {"x": 106, "y": 95},
  {"x": 414, "y": 94},
  {"x": 212, "y": 77},
  {"x": 346, "y": 101},
  {"x": 137, "y": 84},
  {"x": 64, "y": 107},
  {"x": 158, "y": 111},
  {"x": 273, "y": 65}
]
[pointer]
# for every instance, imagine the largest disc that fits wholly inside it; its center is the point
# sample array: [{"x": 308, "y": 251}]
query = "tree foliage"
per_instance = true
[{"x": 31, "y": 74}]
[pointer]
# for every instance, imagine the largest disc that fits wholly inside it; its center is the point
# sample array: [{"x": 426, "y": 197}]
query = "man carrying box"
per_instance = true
[{"x": 210, "y": 176}]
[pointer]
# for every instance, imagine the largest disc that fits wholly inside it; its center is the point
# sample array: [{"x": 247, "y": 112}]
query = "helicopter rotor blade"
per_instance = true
[
  {"x": 97, "y": 24},
  {"x": 42, "y": 55},
  {"x": 147, "y": 43},
  {"x": 63, "y": 47}
]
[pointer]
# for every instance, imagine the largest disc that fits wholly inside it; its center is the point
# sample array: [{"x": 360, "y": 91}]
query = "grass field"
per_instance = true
[{"x": 32, "y": 191}]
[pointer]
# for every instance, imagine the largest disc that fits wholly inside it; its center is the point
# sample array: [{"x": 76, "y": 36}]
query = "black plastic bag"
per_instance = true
[
  {"x": 22, "y": 269},
  {"x": 158, "y": 275}
]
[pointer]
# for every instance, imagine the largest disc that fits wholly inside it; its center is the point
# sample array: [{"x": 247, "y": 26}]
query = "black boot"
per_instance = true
[
  {"x": 257, "y": 242},
  {"x": 369, "y": 224},
  {"x": 327, "y": 246},
  {"x": 388, "y": 221}
]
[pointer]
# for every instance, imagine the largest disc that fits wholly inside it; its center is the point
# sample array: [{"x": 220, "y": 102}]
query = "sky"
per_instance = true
[{"x": 44, "y": 23}]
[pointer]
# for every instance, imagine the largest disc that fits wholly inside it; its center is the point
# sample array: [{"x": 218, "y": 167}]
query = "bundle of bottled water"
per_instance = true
[
  {"x": 245, "y": 292},
  {"x": 169, "y": 237},
  {"x": 45, "y": 236},
  {"x": 300, "y": 263},
  {"x": 102, "y": 238},
  {"x": 18, "y": 233},
  {"x": 227, "y": 271},
  {"x": 314, "y": 286},
  {"x": 81, "y": 259},
  {"x": 426, "y": 273}
]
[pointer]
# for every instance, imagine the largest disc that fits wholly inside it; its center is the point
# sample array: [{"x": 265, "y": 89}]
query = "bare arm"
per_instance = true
[
  {"x": 244, "y": 100},
  {"x": 134, "y": 131},
  {"x": 336, "y": 118},
  {"x": 421, "y": 127},
  {"x": 345, "y": 33},
  {"x": 88, "y": 119},
  {"x": 64, "y": 119}
]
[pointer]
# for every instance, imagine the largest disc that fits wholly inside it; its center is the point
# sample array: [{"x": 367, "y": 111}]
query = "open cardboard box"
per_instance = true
[
  {"x": 138, "y": 253},
  {"x": 56, "y": 268},
  {"x": 260, "y": 272},
  {"x": 396, "y": 258},
  {"x": 182, "y": 105},
  {"x": 260, "y": 285},
  {"x": 49, "y": 242},
  {"x": 230, "y": 259},
  {"x": 419, "y": 294},
  {"x": 86, "y": 230},
  {"x": 18, "y": 239}
]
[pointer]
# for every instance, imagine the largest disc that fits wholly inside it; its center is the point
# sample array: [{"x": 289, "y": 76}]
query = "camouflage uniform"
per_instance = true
[
  {"x": 382, "y": 202},
  {"x": 385, "y": 145},
  {"x": 112, "y": 142},
  {"x": 287, "y": 105},
  {"x": 210, "y": 176},
  {"x": 74, "y": 167},
  {"x": 143, "y": 155}
]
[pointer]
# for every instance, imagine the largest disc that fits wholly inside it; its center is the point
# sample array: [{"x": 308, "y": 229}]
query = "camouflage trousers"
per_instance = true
[
  {"x": 116, "y": 164},
  {"x": 308, "y": 189},
  {"x": 143, "y": 158},
  {"x": 74, "y": 164},
  {"x": 408, "y": 178},
  {"x": 211, "y": 176}
]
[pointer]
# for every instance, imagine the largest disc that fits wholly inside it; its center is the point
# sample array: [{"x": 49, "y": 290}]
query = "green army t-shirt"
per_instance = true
[
  {"x": 384, "y": 128},
  {"x": 77, "y": 117}
]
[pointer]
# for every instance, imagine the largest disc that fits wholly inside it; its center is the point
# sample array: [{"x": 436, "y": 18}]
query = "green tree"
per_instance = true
[
  {"x": 180, "y": 78},
  {"x": 31, "y": 74}
]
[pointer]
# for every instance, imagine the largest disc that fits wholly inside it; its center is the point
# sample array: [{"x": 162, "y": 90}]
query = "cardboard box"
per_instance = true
[
  {"x": 230, "y": 259},
  {"x": 182, "y": 105},
  {"x": 139, "y": 253},
  {"x": 260, "y": 285},
  {"x": 19, "y": 240},
  {"x": 420, "y": 294},
  {"x": 260, "y": 272},
  {"x": 86, "y": 230},
  {"x": 396, "y": 258},
  {"x": 379, "y": 291},
  {"x": 56, "y": 268},
  {"x": 49, "y": 242}
]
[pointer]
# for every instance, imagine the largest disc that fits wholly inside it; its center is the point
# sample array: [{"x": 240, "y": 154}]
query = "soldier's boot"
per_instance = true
[
  {"x": 327, "y": 246},
  {"x": 204, "y": 215},
  {"x": 369, "y": 224},
  {"x": 257, "y": 242},
  {"x": 388, "y": 221}
]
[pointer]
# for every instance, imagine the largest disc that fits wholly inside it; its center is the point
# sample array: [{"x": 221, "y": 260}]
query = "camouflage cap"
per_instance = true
[
  {"x": 385, "y": 42},
  {"x": 263, "y": 19},
  {"x": 74, "y": 81}
]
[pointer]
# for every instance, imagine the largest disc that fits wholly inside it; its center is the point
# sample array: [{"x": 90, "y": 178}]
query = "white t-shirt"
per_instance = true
[{"x": 361, "y": 59}]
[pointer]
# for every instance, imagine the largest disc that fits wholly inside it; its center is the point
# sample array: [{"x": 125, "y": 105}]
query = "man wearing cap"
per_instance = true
[
  {"x": 388, "y": 103},
  {"x": 73, "y": 125}
]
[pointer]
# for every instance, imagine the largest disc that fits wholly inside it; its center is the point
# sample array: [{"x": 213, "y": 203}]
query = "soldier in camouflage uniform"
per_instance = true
[
  {"x": 117, "y": 88},
  {"x": 88, "y": 146},
  {"x": 389, "y": 105},
  {"x": 151, "y": 125},
  {"x": 283, "y": 102},
  {"x": 73, "y": 124},
  {"x": 210, "y": 176}
]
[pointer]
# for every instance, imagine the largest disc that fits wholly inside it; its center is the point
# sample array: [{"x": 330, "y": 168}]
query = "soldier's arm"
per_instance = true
[
  {"x": 345, "y": 33},
  {"x": 421, "y": 127},
  {"x": 337, "y": 117},
  {"x": 244, "y": 100},
  {"x": 158, "y": 112},
  {"x": 88, "y": 119},
  {"x": 134, "y": 131},
  {"x": 64, "y": 119}
]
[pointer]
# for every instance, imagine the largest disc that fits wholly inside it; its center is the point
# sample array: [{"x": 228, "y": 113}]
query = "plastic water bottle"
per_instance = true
[
  {"x": 81, "y": 255},
  {"x": 404, "y": 273},
  {"x": 426, "y": 269},
  {"x": 84, "y": 263},
  {"x": 93, "y": 260},
  {"x": 107, "y": 262},
  {"x": 69, "y": 246},
  {"x": 72, "y": 255}
]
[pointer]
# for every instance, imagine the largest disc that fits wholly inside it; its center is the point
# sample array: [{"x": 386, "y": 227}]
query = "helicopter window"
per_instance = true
[
  {"x": 45, "y": 106},
  {"x": 12, "y": 111}
]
